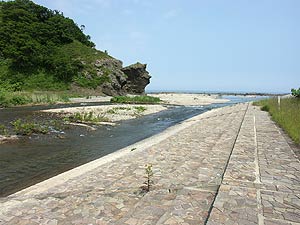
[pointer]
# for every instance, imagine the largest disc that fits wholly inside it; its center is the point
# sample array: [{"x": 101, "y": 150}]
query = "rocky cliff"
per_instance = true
[
  {"x": 50, "y": 52},
  {"x": 121, "y": 80}
]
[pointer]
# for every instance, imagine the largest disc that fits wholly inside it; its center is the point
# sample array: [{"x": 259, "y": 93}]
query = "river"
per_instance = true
[{"x": 39, "y": 157}]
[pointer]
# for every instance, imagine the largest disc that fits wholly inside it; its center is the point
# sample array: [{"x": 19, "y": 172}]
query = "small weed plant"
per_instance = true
[
  {"x": 116, "y": 109},
  {"x": 148, "y": 175},
  {"x": 140, "y": 109}
]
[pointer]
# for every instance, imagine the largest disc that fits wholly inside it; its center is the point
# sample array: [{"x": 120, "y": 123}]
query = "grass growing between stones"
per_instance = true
[
  {"x": 135, "y": 99},
  {"x": 286, "y": 115}
]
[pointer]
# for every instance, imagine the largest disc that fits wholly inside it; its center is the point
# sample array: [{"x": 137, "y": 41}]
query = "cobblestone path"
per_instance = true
[{"x": 226, "y": 166}]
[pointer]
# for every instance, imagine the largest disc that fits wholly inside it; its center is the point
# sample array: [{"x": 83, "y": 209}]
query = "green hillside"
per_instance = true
[{"x": 40, "y": 49}]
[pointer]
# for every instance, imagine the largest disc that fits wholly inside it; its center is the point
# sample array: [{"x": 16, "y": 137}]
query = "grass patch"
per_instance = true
[
  {"x": 3, "y": 130},
  {"x": 80, "y": 52},
  {"x": 86, "y": 117},
  {"x": 286, "y": 116},
  {"x": 28, "y": 128},
  {"x": 116, "y": 109},
  {"x": 135, "y": 100},
  {"x": 9, "y": 98},
  {"x": 140, "y": 109}
]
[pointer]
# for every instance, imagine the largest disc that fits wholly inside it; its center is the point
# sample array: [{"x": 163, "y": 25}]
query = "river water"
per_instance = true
[{"x": 39, "y": 157}]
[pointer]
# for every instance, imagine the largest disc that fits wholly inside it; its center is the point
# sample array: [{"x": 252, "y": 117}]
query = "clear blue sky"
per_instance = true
[{"x": 200, "y": 45}]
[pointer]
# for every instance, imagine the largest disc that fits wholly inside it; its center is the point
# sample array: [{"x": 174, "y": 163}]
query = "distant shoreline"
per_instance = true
[{"x": 216, "y": 93}]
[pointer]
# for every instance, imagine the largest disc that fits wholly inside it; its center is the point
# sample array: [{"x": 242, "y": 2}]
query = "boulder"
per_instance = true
[
  {"x": 128, "y": 80},
  {"x": 137, "y": 78}
]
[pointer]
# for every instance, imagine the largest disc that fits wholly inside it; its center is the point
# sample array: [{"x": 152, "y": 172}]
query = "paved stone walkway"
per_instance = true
[{"x": 227, "y": 166}]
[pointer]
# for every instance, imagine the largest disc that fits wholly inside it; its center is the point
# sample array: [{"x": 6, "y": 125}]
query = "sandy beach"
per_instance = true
[{"x": 188, "y": 99}]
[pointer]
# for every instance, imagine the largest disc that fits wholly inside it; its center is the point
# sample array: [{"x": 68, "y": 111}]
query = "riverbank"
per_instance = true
[{"x": 201, "y": 175}]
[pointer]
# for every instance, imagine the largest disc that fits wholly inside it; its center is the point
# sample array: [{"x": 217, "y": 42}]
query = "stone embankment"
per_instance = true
[{"x": 226, "y": 166}]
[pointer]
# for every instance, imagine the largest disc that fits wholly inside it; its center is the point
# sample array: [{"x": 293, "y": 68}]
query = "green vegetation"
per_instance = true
[
  {"x": 136, "y": 99},
  {"x": 116, "y": 109},
  {"x": 137, "y": 110},
  {"x": 8, "y": 99},
  {"x": 3, "y": 130},
  {"x": 296, "y": 92},
  {"x": 86, "y": 117},
  {"x": 286, "y": 115},
  {"x": 40, "y": 49},
  {"x": 28, "y": 128},
  {"x": 140, "y": 109},
  {"x": 149, "y": 182}
]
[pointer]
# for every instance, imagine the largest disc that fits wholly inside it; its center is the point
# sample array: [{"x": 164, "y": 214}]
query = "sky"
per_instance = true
[{"x": 198, "y": 45}]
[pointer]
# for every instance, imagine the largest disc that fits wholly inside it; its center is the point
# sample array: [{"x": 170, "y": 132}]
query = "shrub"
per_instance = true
[
  {"x": 19, "y": 100},
  {"x": 10, "y": 99},
  {"x": 28, "y": 128},
  {"x": 265, "y": 108},
  {"x": 3, "y": 130},
  {"x": 296, "y": 92},
  {"x": 135, "y": 99},
  {"x": 140, "y": 109}
]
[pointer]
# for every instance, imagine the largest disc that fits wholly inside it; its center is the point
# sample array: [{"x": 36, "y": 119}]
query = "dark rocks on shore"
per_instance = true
[
  {"x": 137, "y": 78},
  {"x": 122, "y": 80}
]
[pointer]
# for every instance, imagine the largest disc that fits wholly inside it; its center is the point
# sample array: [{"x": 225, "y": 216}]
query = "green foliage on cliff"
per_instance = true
[{"x": 40, "y": 49}]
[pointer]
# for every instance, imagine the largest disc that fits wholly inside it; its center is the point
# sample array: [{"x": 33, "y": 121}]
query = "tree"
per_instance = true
[{"x": 296, "y": 92}]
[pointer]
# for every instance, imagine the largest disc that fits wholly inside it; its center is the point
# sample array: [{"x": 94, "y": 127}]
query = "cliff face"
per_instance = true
[
  {"x": 137, "y": 78},
  {"x": 122, "y": 80}
]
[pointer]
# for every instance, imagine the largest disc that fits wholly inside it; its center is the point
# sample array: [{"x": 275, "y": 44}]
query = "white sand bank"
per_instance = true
[
  {"x": 113, "y": 112},
  {"x": 188, "y": 99}
]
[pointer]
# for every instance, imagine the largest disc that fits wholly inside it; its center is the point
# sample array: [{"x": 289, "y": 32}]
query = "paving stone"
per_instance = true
[{"x": 261, "y": 184}]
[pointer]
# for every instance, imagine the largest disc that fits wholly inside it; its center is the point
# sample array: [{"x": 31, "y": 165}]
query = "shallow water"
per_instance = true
[{"x": 39, "y": 157}]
